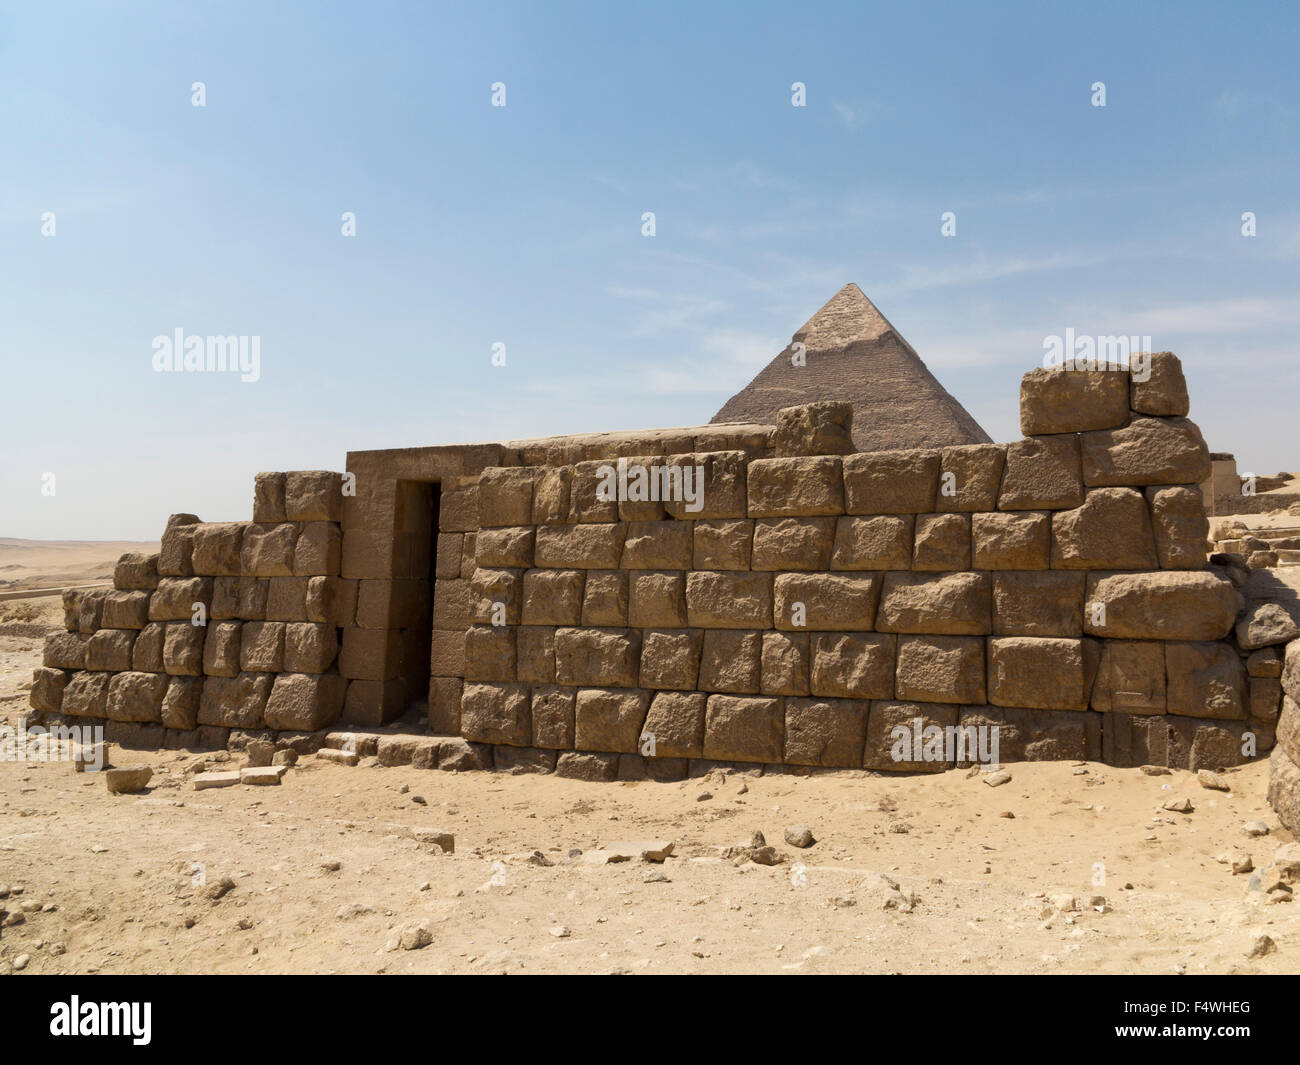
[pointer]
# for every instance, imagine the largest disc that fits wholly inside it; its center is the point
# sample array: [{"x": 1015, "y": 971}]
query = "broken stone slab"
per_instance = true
[
  {"x": 129, "y": 780},
  {"x": 1212, "y": 781},
  {"x": 203, "y": 781},
  {"x": 333, "y": 754},
  {"x": 271, "y": 774}
]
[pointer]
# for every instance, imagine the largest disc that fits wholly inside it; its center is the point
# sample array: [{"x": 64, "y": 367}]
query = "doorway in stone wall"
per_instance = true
[{"x": 416, "y": 564}]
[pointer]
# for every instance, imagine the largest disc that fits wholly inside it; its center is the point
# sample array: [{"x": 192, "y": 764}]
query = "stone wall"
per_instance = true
[
  {"x": 1284, "y": 768},
  {"x": 815, "y": 601}
]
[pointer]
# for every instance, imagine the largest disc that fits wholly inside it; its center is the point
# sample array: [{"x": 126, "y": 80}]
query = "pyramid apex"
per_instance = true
[{"x": 846, "y": 317}]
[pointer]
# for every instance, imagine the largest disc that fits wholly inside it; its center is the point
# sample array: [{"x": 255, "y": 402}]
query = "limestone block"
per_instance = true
[
  {"x": 1265, "y": 624},
  {"x": 451, "y": 604},
  {"x": 943, "y": 542},
  {"x": 313, "y": 495},
  {"x": 552, "y": 717},
  {"x": 1265, "y": 698},
  {"x": 731, "y": 661},
  {"x": 605, "y": 598},
  {"x": 90, "y": 609},
  {"x": 825, "y": 732},
  {"x": 261, "y": 647},
  {"x": 65, "y": 650},
  {"x": 183, "y": 648},
  {"x": 1205, "y": 679},
  {"x": 717, "y": 480},
  {"x": 722, "y": 544},
  {"x": 180, "y": 705},
  {"x": 826, "y": 601},
  {"x": 1266, "y": 662},
  {"x": 136, "y": 696},
  {"x": 496, "y": 713},
  {"x": 303, "y": 702},
  {"x": 318, "y": 551},
  {"x": 953, "y": 604},
  {"x": 176, "y": 552},
  {"x": 551, "y": 492},
  {"x": 1111, "y": 530},
  {"x": 1060, "y": 400},
  {"x": 217, "y": 548},
  {"x": 658, "y": 545},
  {"x": 656, "y": 600},
  {"x": 147, "y": 652},
  {"x": 136, "y": 572},
  {"x": 175, "y": 598},
  {"x": 808, "y": 485},
  {"x": 126, "y": 610},
  {"x": 110, "y": 649},
  {"x": 1149, "y": 451},
  {"x": 876, "y": 543},
  {"x": 891, "y": 482},
  {"x": 1130, "y": 678},
  {"x": 1170, "y": 605},
  {"x": 609, "y": 719},
  {"x": 740, "y": 728},
  {"x": 490, "y": 653},
  {"x": 1180, "y": 525},
  {"x": 1284, "y": 789},
  {"x": 1038, "y": 604},
  {"x": 674, "y": 725},
  {"x": 47, "y": 688},
  {"x": 235, "y": 702},
  {"x": 909, "y": 737},
  {"x": 1164, "y": 392},
  {"x": 505, "y": 496},
  {"x": 785, "y": 664},
  {"x": 86, "y": 694},
  {"x": 552, "y": 596},
  {"x": 221, "y": 649},
  {"x": 268, "y": 498},
  {"x": 729, "y": 600},
  {"x": 822, "y": 428},
  {"x": 859, "y": 666},
  {"x": 510, "y": 547},
  {"x": 597, "y": 657},
  {"x": 1011, "y": 540},
  {"x": 593, "y": 496},
  {"x": 793, "y": 543},
  {"x": 1042, "y": 473},
  {"x": 1041, "y": 672},
  {"x": 970, "y": 476},
  {"x": 310, "y": 647},
  {"x": 369, "y": 654},
  {"x": 267, "y": 550},
  {"x": 496, "y": 596},
  {"x": 940, "y": 669},
  {"x": 587, "y": 546},
  {"x": 670, "y": 658}
]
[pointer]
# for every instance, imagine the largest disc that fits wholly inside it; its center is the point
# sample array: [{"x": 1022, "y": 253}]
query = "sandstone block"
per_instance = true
[
  {"x": 943, "y": 542},
  {"x": 744, "y": 728},
  {"x": 176, "y": 597},
  {"x": 1170, "y": 605},
  {"x": 180, "y": 704},
  {"x": 136, "y": 696},
  {"x": 728, "y": 600},
  {"x": 217, "y": 548},
  {"x": 825, "y": 732},
  {"x": 822, "y": 428},
  {"x": 852, "y": 666},
  {"x": 659, "y": 545},
  {"x": 1046, "y": 673},
  {"x": 110, "y": 649},
  {"x": 588, "y": 546},
  {"x": 1061, "y": 400},
  {"x": 183, "y": 648},
  {"x": 47, "y": 688},
  {"x": 1042, "y": 473},
  {"x": 785, "y": 664},
  {"x": 147, "y": 652},
  {"x": 496, "y": 713},
  {"x": 891, "y": 482},
  {"x": 802, "y": 486},
  {"x": 597, "y": 657},
  {"x": 510, "y": 547},
  {"x": 674, "y": 725},
  {"x": 609, "y": 719},
  {"x": 719, "y": 480},
  {"x": 1164, "y": 392},
  {"x": 318, "y": 551},
  {"x": 268, "y": 498},
  {"x": 235, "y": 702},
  {"x": 793, "y": 543},
  {"x": 490, "y": 653},
  {"x": 267, "y": 550},
  {"x": 1131, "y": 678},
  {"x": 940, "y": 669},
  {"x": 1111, "y": 530},
  {"x": 731, "y": 661},
  {"x": 303, "y": 702},
  {"x": 970, "y": 476},
  {"x": 1153, "y": 451},
  {"x": 221, "y": 649},
  {"x": 125, "y": 610},
  {"x": 261, "y": 647},
  {"x": 313, "y": 495},
  {"x": 605, "y": 598},
  {"x": 505, "y": 496},
  {"x": 136, "y": 572},
  {"x": 310, "y": 647},
  {"x": 825, "y": 601},
  {"x": 954, "y": 604},
  {"x": 65, "y": 650},
  {"x": 1265, "y": 698},
  {"x": 671, "y": 658},
  {"x": 1011, "y": 540},
  {"x": 876, "y": 543},
  {"x": 1205, "y": 679},
  {"x": 1180, "y": 525},
  {"x": 1265, "y": 624},
  {"x": 909, "y": 737},
  {"x": 656, "y": 600},
  {"x": 552, "y": 596},
  {"x": 721, "y": 544},
  {"x": 552, "y": 717},
  {"x": 496, "y": 596}
]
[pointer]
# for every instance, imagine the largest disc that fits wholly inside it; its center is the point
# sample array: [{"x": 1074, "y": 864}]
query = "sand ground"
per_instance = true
[{"x": 115, "y": 876}]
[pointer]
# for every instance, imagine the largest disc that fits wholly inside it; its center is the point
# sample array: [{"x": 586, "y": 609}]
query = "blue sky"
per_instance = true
[{"x": 522, "y": 224}]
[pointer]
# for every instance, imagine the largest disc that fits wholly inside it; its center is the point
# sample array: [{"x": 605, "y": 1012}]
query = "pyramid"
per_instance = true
[{"x": 853, "y": 354}]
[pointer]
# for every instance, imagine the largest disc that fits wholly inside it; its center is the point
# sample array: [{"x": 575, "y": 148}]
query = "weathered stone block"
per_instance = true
[
  {"x": 719, "y": 481},
  {"x": 368, "y": 654},
  {"x": 744, "y": 728},
  {"x": 825, "y": 732},
  {"x": 660, "y": 545},
  {"x": 510, "y": 547},
  {"x": 1111, "y": 530},
  {"x": 176, "y": 597},
  {"x": 535, "y": 654},
  {"x": 1265, "y": 698},
  {"x": 1164, "y": 392},
  {"x": 605, "y": 598},
  {"x": 451, "y": 604},
  {"x": 1266, "y": 662},
  {"x": 318, "y": 551},
  {"x": 940, "y": 669},
  {"x": 1265, "y": 624},
  {"x": 954, "y": 604},
  {"x": 1060, "y": 400},
  {"x": 261, "y": 647},
  {"x": 490, "y": 653},
  {"x": 597, "y": 657},
  {"x": 1153, "y": 451},
  {"x": 943, "y": 542},
  {"x": 878, "y": 543},
  {"x": 1012, "y": 540},
  {"x": 1038, "y": 604},
  {"x": 593, "y": 496},
  {"x": 505, "y": 496},
  {"x": 299, "y": 701},
  {"x": 180, "y": 704},
  {"x": 785, "y": 664},
  {"x": 217, "y": 547},
  {"x": 90, "y": 611},
  {"x": 891, "y": 482},
  {"x": 496, "y": 713},
  {"x": 86, "y": 695},
  {"x": 176, "y": 551},
  {"x": 826, "y": 601},
  {"x": 1046, "y": 673},
  {"x": 267, "y": 550},
  {"x": 609, "y": 719},
  {"x": 136, "y": 696},
  {"x": 822, "y": 428},
  {"x": 728, "y": 600},
  {"x": 310, "y": 647},
  {"x": 587, "y": 765},
  {"x": 235, "y": 702},
  {"x": 47, "y": 688},
  {"x": 970, "y": 476},
  {"x": 65, "y": 650},
  {"x": 1130, "y": 678},
  {"x": 552, "y": 596},
  {"x": 656, "y": 600},
  {"x": 125, "y": 610},
  {"x": 1180, "y": 525},
  {"x": 1205, "y": 680},
  {"x": 674, "y": 725},
  {"x": 268, "y": 497},
  {"x": 552, "y": 714},
  {"x": 671, "y": 658},
  {"x": 496, "y": 596},
  {"x": 1170, "y": 605},
  {"x": 313, "y": 495},
  {"x": 1042, "y": 473},
  {"x": 721, "y": 544},
  {"x": 221, "y": 649},
  {"x": 110, "y": 649},
  {"x": 136, "y": 572},
  {"x": 793, "y": 543},
  {"x": 909, "y": 737},
  {"x": 183, "y": 648},
  {"x": 587, "y": 546},
  {"x": 147, "y": 652},
  {"x": 731, "y": 661},
  {"x": 852, "y": 667},
  {"x": 551, "y": 492},
  {"x": 807, "y": 485}
]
